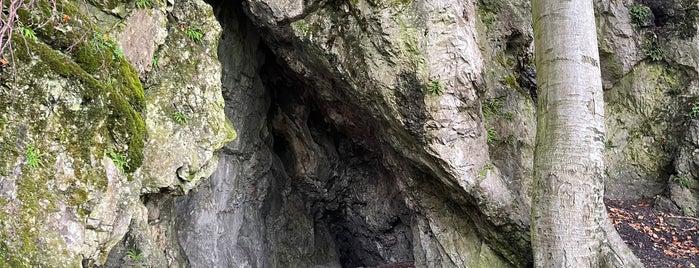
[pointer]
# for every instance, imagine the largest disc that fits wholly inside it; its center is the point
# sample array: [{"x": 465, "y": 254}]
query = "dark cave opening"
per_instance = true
[
  {"x": 331, "y": 175},
  {"x": 348, "y": 190}
]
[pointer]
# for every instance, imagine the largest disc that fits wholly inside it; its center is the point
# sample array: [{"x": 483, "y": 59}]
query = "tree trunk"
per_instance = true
[{"x": 569, "y": 221}]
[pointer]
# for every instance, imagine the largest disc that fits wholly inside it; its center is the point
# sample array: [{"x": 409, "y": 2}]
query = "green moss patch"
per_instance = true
[
  {"x": 95, "y": 106},
  {"x": 98, "y": 64}
]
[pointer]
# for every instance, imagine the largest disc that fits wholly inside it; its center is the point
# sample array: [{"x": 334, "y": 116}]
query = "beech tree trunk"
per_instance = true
[{"x": 569, "y": 220}]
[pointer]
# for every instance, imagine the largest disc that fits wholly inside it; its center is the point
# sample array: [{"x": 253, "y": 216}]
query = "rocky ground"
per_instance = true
[{"x": 656, "y": 234}]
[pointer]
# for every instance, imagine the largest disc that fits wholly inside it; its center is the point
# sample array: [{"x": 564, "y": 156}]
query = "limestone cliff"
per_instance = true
[
  {"x": 90, "y": 125},
  {"x": 369, "y": 132}
]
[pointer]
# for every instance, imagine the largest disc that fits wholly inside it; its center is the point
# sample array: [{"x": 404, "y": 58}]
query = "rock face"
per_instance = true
[
  {"x": 683, "y": 185},
  {"x": 370, "y": 133},
  {"x": 426, "y": 107},
  {"x": 651, "y": 84},
  {"x": 83, "y": 137},
  {"x": 355, "y": 163}
]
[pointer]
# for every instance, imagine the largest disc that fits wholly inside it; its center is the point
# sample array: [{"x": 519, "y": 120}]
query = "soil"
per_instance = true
[{"x": 659, "y": 237}]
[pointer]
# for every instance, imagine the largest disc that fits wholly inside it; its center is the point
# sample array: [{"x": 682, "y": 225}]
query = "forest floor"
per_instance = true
[{"x": 657, "y": 236}]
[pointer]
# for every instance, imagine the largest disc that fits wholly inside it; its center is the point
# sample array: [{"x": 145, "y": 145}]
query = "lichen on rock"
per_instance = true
[{"x": 75, "y": 135}]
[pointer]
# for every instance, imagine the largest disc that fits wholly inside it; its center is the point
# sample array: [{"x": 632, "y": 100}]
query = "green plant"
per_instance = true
[
  {"x": 434, "y": 88},
  {"x": 509, "y": 116},
  {"x": 28, "y": 33},
  {"x": 194, "y": 33},
  {"x": 141, "y": 4},
  {"x": 684, "y": 26},
  {"x": 639, "y": 13},
  {"x": 488, "y": 12},
  {"x": 509, "y": 140},
  {"x": 117, "y": 53},
  {"x": 693, "y": 110},
  {"x": 13, "y": 12},
  {"x": 301, "y": 25},
  {"x": 33, "y": 157},
  {"x": 492, "y": 135},
  {"x": 119, "y": 160},
  {"x": 307, "y": 29},
  {"x": 609, "y": 145},
  {"x": 484, "y": 171},
  {"x": 179, "y": 117},
  {"x": 652, "y": 49},
  {"x": 682, "y": 181},
  {"x": 134, "y": 255},
  {"x": 492, "y": 107},
  {"x": 156, "y": 58},
  {"x": 102, "y": 42},
  {"x": 511, "y": 81}
]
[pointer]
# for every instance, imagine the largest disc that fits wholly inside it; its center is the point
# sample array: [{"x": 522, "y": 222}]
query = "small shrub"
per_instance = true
[
  {"x": 102, "y": 42},
  {"x": 492, "y": 6},
  {"x": 492, "y": 135},
  {"x": 134, "y": 255},
  {"x": 28, "y": 33},
  {"x": 435, "y": 88},
  {"x": 509, "y": 116},
  {"x": 119, "y": 160},
  {"x": 492, "y": 107},
  {"x": 179, "y": 117},
  {"x": 639, "y": 13},
  {"x": 488, "y": 12},
  {"x": 10, "y": 16},
  {"x": 302, "y": 26},
  {"x": 511, "y": 81},
  {"x": 156, "y": 58},
  {"x": 693, "y": 110},
  {"x": 682, "y": 181},
  {"x": 484, "y": 171},
  {"x": 652, "y": 49},
  {"x": 509, "y": 140},
  {"x": 194, "y": 33},
  {"x": 142, "y": 4},
  {"x": 33, "y": 157},
  {"x": 117, "y": 53}
]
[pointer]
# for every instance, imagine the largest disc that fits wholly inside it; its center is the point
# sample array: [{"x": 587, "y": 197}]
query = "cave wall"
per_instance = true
[
  {"x": 354, "y": 82},
  {"x": 369, "y": 132}
]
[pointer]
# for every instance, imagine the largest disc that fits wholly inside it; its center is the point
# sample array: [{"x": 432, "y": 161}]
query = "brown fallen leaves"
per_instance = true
[{"x": 659, "y": 239}]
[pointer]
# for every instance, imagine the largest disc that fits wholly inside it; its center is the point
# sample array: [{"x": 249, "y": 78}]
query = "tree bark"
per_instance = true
[{"x": 569, "y": 220}]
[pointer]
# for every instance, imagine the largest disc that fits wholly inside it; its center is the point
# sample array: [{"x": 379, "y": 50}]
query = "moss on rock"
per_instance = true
[
  {"x": 125, "y": 124},
  {"x": 74, "y": 96}
]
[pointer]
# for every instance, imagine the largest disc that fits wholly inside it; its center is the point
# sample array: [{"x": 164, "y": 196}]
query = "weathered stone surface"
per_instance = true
[
  {"x": 637, "y": 128},
  {"x": 371, "y": 132},
  {"x": 365, "y": 68},
  {"x": 649, "y": 81},
  {"x": 144, "y": 31},
  {"x": 76, "y": 152},
  {"x": 184, "y": 115},
  {"x": 364, "y": 162},
  {"x": 617, "y": 46},
  {"x": 684, "y": 186},
  {"x": 185, "y": 121}
]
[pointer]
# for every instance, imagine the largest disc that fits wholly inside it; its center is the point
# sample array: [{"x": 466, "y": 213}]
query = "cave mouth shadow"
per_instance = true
[{"x": 348, "y": 190}]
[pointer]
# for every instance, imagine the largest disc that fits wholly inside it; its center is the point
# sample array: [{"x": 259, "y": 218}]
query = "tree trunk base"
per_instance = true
[{"x": 615, "y": 253}]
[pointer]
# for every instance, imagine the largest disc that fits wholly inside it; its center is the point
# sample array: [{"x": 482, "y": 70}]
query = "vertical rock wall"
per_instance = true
[
  {"x": 370, "y": 132},
  {"x": 317, "y": 177}
]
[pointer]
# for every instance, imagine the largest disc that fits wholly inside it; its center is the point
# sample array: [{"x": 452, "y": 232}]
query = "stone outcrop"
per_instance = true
[
  {"x": 369, "y": 133},
  {"x": 84, "y": 138},
  {"x": 684, "y": 185}
]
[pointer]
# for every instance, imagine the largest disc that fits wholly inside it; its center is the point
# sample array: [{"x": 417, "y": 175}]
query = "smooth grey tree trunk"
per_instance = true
[{"x": 569, "y": 221}]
